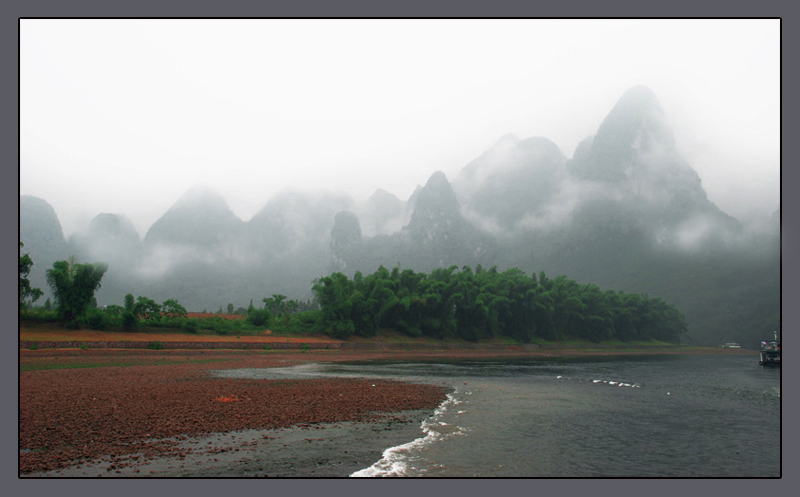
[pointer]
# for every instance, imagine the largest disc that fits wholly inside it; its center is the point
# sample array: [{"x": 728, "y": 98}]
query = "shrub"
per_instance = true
[
  {"x": 341, "y": 330},
  {"x": 130, "y": 321},
  {"x": 76, "y": 323},
  {"x": 190, "y": 325},
  {"x": 171, "y": 323},
  {"x": 259, "y": 317},
  {"x": 155, "y": 345},
  {"x": 97, "y": 319},
  {"x": 305, "y": 322},
  {"x": 39, "y": 315},
  {"x": 220, "y": 326}
]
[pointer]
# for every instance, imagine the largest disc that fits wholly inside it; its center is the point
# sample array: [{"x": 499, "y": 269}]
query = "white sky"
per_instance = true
[{"x": 125, "y": 116}]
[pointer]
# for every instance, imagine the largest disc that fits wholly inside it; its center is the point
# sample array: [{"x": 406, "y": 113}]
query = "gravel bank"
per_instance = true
[{"x": 127, "y": 419}]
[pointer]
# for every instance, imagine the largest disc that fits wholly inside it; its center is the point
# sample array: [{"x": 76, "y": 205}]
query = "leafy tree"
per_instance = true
[
  {"x": 278, "y": 304},
  {"x": 73, "y": 286},
  {"x": 27, "y": 293},
  {"x": 275, "y": 303},
  {"x": 115, "y": 311},
  {"x": 334, "y": 293},
  {"x": 129, "y": 318},
  {"x": 147, "y": 309},
  {"x": 173, "y": 310},
  {"x": 130, "y": 302}
]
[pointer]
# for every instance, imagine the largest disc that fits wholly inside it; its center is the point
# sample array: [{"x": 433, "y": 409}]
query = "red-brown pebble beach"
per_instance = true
[
  {"x": 73, "y": 415},
  {"x": 132, "y": 413}
]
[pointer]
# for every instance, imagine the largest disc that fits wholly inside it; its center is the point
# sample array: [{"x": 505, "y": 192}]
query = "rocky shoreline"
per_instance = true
[
  {"x": 131, "y": 416},
  {"x": 118, "y": 412}
]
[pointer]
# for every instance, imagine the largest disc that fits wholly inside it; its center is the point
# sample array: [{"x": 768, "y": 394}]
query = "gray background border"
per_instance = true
[{"x": 12, "y": 10}]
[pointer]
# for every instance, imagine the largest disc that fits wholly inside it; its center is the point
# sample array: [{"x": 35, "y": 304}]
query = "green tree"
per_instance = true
[
  {"x": 129, "y": 319},
  {"x": 27, "y": 293},
  {"x": 173, "y": 310},
  {"x": 147, "y": 309},
  {"x": 73, "y": 286},
  {"x": 485, "y": 304},
  {"x": 334, "y": 294},
  {"x": 130, "y": 302},
  {"x": 275, "y": 303}
]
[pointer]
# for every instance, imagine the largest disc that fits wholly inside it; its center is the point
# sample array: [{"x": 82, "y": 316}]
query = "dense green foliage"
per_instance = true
[
  {"x": 488, "y": 304},
  {"x": 27, "y": 293},
  {"x": 73, "y": 286},
  {"x": 447, "y": 303},
  {"x": 259, "y": 317}
]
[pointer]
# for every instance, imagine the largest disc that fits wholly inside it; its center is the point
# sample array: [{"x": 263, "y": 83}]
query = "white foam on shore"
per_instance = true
[
  {"x": 396, "y": 461},
  {"x": 617, "y": 383}
]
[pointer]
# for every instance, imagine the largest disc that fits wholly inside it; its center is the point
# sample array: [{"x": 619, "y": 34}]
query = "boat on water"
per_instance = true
[{"x": 770, "y": 354}]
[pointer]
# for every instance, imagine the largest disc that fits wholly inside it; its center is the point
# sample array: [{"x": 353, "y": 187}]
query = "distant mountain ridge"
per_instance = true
[
  {"x": 626, "y": 212},
  {"x": 40, "y": 232}
]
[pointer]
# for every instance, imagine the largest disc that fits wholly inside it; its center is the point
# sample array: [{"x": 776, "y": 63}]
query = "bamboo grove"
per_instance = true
[{"x": 486, "y": 304}]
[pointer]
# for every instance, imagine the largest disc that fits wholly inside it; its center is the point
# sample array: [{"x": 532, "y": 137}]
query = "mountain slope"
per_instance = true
[
  {"x": 40, "y": 232},
  {"x": 200, "y": 218},
  {"x": 512, "y": 180}
]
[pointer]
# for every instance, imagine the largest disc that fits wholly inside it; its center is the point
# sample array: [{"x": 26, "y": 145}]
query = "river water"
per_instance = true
[{"x": 640, "y": 416}]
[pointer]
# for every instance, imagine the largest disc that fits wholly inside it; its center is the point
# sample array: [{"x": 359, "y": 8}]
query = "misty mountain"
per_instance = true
[
  {"x": 629, "y": 213},
  {"x": 625, "y": 212},
  {"x": 382, "y": 213},
  {"x": 110, "y": 238},
  {"x": 513, "y": 179},
  {"x": 346, "y": 241},
  {"x": 217, "y": 258},
  {"x": 40, "y": 232},
  {"x": 437, "y": 235},
  {"x": 633, "y": 158},
  {"x": 199, "y": 225},
  {"x": 39, "y": 227},
  {"x": 294, "y": 221}
]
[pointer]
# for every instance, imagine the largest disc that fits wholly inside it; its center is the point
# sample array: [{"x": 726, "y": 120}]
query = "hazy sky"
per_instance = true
[{"x": 125, "y": 116}]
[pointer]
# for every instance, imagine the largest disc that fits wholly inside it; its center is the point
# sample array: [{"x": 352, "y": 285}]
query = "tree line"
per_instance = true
[
  {"x": 447, "y": 303},
  {"x": 74, "y": 284},
  {"x": 486, "y": 304}
]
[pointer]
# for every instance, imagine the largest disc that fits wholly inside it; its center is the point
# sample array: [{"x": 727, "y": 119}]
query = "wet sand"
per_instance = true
[{"x": 319, "y": 451}]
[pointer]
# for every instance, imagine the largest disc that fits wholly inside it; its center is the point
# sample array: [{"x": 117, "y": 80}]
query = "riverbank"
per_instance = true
[
  {"x": 128, "y": 416},
  {"x": 34, "y": 336},
  {"x": 123, "y": 412}
]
